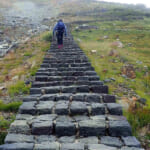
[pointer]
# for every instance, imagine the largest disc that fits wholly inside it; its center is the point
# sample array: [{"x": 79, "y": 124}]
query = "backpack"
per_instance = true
[{"x": 60, "y": 27}]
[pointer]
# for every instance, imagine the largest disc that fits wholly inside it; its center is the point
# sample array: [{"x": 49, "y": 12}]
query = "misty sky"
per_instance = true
[{"x": 146, "y": 2}]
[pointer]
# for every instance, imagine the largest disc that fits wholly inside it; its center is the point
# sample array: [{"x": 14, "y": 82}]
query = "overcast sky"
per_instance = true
[{"x": 146, "y": 2}]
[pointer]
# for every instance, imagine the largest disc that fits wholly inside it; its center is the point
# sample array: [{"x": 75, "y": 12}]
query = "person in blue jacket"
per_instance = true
[{"x": 60, "y": 29}]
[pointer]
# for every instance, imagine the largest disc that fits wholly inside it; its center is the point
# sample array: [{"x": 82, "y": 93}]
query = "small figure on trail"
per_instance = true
[{"x": 60, "y": 29}]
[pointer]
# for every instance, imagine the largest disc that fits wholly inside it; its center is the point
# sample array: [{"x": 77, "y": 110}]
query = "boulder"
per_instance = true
[{"x": 129, "y": 71}]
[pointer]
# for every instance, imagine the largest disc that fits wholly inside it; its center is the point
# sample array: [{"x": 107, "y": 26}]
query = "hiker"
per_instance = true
[{"x": 60, "y": 29}]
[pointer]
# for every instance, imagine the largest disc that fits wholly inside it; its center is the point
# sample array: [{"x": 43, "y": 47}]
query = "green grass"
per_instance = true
[
  {"x": 138, "y": 118},
  {"x": 4, "y": 125},
  {"x": 11, "y": 107},
  {"x": 138, "y": 51},
  {"x": 19, "y": 88}
]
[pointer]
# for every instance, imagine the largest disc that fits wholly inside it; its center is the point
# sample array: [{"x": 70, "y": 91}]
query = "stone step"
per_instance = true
[
  {"x": 67, "y": 78},
  {"x": 83, "y": 126},
  {"x": 67, "y": 73},
  {"x": 67, "y": 60},
  {"x": 72, "y": 108},
  {"x": 70, "y": 89},
  {"x": 82, "y": 97},
  {"x": 68, "y": 64},
  {"x": 37, "y": 84},
  {"x": 69, "y": 143}
]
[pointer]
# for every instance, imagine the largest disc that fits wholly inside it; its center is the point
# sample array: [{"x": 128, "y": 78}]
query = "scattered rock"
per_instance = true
[
  {"x": 105, "y": 70},
  {"x": 113, "y": 53},
  {"x": 105, "y": 37},
  {"x": 139, "y": 62},
  {"x": 129, "y": 44},
  {"x": 93, "y": 51},
  {"x": 117, "y": 44},
  {"x": 102, "y": 56},
  {"x": 142, "y": 100},
  {"x": 129, "y": 71}
]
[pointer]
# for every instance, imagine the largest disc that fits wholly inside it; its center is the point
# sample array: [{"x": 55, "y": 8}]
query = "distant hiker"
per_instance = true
[{"x": 60, "y": 29}]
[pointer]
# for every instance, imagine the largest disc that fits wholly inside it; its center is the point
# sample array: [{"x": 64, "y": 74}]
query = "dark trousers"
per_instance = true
[{"x": 59, "y": 36}]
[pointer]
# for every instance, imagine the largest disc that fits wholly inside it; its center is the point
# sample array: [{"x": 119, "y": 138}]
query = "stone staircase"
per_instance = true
[{"x": 69, "y": 108}]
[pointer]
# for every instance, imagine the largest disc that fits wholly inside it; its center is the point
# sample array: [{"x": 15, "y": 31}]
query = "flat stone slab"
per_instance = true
[
  {"x": 114, "y": 109},
  {"x": 72, "y": 146},
  {"x": 100, "y": 147},
  {"x": 111, "y": 141},
  {"x": 92, "y": 127},
  {"x": 17, "y": 146},
  {"x": 19, "y": 138},
  {"x": 119, "y": 128},
  {"x": 62, "y": 108},
  {"x": 65, "y": 128},
  {"x": 131, "y": 148},
  {"x": 44, "y": 138},
  {"x": 67, "y": 139},
  {"x": 131, "y": 141},
  {"x": 78, "y": 108},
  {"x": 45, "y": 107},
  {"x": 97, "y": 109},
  {"x": 28, "y": 108},
  {"x": 47, "y": 146},
  {"x": 89, "y": 140},
  {"x": 20, "y": 127}
]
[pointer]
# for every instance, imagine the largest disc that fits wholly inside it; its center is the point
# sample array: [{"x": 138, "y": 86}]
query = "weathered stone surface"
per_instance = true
[
  {"x": 67, "y": 139},
  {"x": 93, "y": 98},
  {"x": 69, "y": 89},
  {"x": 51, "y": 90},
  {"x": 119, "y": 128},
  {"x": 43, "y": 124},
  {"x": 99, "y": 89},
  {"x": 72, "y": 146},
  {"x": 78, "y": 108},
  {"x": 80, "y": 118},
  {"x": 115, "y": 118},
  {"x": 45, "y": 138},
  {"x": 45, "y": 107},
  {"x": 97, "y": 109},
  {"x": 111, "y": 141},
  {"x": 131, "y": 141},
  {"x": 89, "y": 140},
  {"x": 42, "y": 128},
  {"x": 62, "y": 108},
  {"x": 17, "y": 146},
  {"x": 92, "y": 127},
  {"x": 19, "y": 138},
  {"x": 100, "y": 147},
  {"x": 131, "y": 148},
  {"x": 65, "y": 128},
  {"x": 78, "y": 97},
  {"x": 24, "y": 117},
  {"x": 108, "y": 98},
  {"x": 20, "y": 127},
  {"x": 47, "y": 146},
  {"x": 114, "y": 109},
  {"x": 83, "y": 89},
  {"x": 28, "y": 108}
]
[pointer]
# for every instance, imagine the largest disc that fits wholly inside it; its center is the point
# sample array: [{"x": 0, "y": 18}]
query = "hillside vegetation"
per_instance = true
[
  {"x": 114, "y": 36},
  {"x": 116, "y": 41}
]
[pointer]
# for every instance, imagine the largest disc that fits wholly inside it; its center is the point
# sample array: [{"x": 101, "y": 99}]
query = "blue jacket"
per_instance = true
[{"x": 56, "y": 28}]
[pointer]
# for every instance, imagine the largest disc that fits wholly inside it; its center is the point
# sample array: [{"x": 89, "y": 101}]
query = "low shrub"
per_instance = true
[
  {"x": 48, "y": 37},
  {"x": 12, "y": 107},
  {"x": 19, "y": 88},
  {"x": 138, "y": 118}
]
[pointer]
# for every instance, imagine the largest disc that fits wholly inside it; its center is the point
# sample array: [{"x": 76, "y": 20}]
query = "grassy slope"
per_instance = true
[
  {"x": 22, "y": 63},
  {"x": 137, "y": 33}
]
